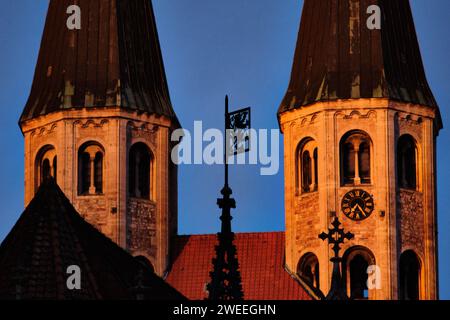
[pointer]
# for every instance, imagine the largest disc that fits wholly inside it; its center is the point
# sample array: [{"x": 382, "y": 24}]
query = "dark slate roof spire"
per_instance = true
[
  {"x": 338, "y": 57},
  {"x": 113, "y": 60},
  {"x": 49, "y": 237}
]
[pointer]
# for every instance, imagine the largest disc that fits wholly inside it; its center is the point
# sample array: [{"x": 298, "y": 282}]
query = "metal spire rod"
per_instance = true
[{"x": 225, "y": 155}]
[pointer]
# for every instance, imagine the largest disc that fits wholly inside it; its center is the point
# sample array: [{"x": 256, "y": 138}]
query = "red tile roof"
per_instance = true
[{"x": 261, "y": 261}]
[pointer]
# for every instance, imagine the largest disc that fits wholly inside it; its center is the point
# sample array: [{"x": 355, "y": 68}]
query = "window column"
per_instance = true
[
  {"x": 312, "y": 186},
  {"x": 91, "y": 177},
  {"x": 356, "y": 145}
]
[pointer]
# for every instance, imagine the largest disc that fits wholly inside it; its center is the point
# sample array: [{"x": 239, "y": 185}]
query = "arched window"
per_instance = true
[
  {"x": 409, "y": 276},
  {"x": 355, "y": 154},
  {"x": 308, "y": 269},
  {"x": 90, "y": 169},
  {"x": 356, "y": 263},
  {"x": 307, "y": 164},
  {"x": 358, "y": 278},
  {"x": 46, "y": 165},
  {"x": 407, "y": 162},
  {"x": 139, "y": 168}
]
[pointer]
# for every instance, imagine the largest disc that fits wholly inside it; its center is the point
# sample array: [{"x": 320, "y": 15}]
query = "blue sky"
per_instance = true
[{"x": 211, "y": 47}]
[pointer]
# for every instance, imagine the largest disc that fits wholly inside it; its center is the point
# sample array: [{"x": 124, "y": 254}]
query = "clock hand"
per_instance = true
[
  {"x": 357, "y": 206},
  {"x": 354, "y": 210},
  {"x": 361, "y": 212}
]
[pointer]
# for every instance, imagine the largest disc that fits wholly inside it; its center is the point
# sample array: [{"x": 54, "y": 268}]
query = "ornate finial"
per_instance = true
[{"x": 225, "y": 278}]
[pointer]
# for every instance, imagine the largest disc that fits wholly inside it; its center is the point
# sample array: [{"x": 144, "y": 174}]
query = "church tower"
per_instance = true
[
  {"x": 360, "y": 125},
  {"x": 99, "y": 120}
]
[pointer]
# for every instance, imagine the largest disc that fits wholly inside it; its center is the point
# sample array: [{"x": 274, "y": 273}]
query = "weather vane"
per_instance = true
[{"x": 225, "y": 278}]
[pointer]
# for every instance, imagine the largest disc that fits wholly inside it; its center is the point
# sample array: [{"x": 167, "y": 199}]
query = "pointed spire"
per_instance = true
[
  {"x": 114, "y": 60},
  {"x": 49, "y": 237},
  {"x": 339, "y": 57},
  {"x": 225, "y": 278},
  {"x": 226, "y": 282}
]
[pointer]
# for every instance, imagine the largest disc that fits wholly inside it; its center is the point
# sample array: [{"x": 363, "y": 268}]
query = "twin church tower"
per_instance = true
[
  {"x": 359, "y": 121},
  {"x": 99, "y": 120}
]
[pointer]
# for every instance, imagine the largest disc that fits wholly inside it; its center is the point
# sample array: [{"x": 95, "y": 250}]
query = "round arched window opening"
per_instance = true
[
  {"x": 407, "y": 162},
  {"x": 307, "y": 159},
  {"x": 355, "y": 158},
  {"x": 90, "y": 169},
  {"x": 45, "y": 165},
  {"x": 139, "y": 171},
  {"x": 356, "y": 263},
  {"x": 308, "y": 270},
  {"x": 409, "y": 276}
]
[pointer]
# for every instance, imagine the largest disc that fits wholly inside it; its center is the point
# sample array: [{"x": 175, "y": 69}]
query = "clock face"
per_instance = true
[{"x": 357, "y": 205}]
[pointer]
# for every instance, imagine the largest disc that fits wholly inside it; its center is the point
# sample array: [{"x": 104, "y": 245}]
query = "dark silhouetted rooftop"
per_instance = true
[{"x": 49, "y": 237}]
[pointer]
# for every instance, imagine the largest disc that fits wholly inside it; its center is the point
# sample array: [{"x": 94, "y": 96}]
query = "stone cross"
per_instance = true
[{"x": 336, "y": 236}]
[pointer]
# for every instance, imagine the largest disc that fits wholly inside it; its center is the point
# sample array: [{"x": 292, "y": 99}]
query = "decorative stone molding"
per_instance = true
[
  {"x": 44, "y": 131},
  {"x": 409, "y": 124},
  {"x": 145, "y": 131},
  {"x": 356, "y": 114},
  {"x": 96, "y": 123},
  {"x": 409, "y": 119}
]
